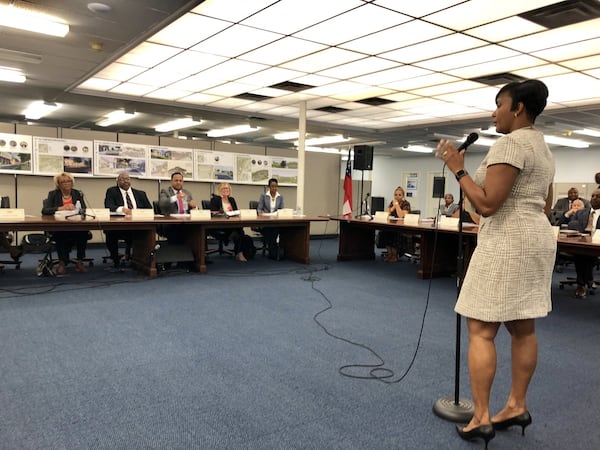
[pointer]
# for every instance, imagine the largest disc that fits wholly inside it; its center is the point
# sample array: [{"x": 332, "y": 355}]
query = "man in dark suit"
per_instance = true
[
  {"x": 565, "y": 204},
  {"x": 175, "y": 200},
  {"x": 121, "y": 199},
  {"x": 586, "y": 221}
]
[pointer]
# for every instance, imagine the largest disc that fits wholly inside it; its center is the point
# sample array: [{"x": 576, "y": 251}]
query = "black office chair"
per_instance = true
[
  {"x": 217, "y": 235},
  {"x": 253, "y": 204},
  {"x": 5, "y": 203}
]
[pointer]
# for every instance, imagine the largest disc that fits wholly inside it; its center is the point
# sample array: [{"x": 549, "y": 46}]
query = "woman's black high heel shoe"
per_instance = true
[
  {"x": 523, "y": 420},
  {"x": 485, "y": 432}
]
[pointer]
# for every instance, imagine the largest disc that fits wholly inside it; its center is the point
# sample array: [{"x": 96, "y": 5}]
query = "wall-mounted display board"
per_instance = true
[
  {"x": 167, "y": 160},
  {"x": 114, "y": 157},
  {"x": 56, "y": 155},
  {"x": 50, "y": 156},
  {"x": 15, "y": 153}
]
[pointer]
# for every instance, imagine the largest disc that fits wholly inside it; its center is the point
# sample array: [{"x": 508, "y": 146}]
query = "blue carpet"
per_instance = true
[{"x": 235, "y": 359}]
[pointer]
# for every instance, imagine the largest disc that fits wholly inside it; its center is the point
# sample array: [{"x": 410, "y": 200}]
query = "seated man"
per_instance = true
[
  {"x": 586, "y": 221},
  {"x": 449, "y": 207},
  {"x": 566, "y": 216},
  {"x": 175, "y": 200},
  {"x": 122, "y": 198},
  {"x": 563, "y": 205}
]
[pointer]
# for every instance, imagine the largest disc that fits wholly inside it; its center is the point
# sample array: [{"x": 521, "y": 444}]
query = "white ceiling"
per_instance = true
[{"x": 384, "y": 72}]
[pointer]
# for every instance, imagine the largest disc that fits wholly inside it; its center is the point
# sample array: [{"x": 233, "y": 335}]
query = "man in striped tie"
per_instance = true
[{"x": 121, "y": 199}]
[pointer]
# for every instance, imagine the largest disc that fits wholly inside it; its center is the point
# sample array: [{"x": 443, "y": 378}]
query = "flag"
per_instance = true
[{"x": 347, "y": 206}]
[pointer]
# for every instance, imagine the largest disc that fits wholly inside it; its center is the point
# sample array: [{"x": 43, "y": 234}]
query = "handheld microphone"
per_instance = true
[{"x": 468, "y": 141}]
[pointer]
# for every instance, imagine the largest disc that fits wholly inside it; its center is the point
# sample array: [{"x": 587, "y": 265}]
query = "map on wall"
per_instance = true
[
  {"x": 15, "y": 153},
  {"x": 112, "y": 158},
  {"x": 164, "y": 161},
  {"x": 56, "y": 155},
  {"x": 285, "y": 170}
]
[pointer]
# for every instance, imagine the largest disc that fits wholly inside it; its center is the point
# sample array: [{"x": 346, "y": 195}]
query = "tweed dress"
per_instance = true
[{"x": 510, "y": 273}]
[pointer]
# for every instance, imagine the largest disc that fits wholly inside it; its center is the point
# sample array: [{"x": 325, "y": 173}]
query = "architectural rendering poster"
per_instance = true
[
  {"x": 56, "y": 155},
  {"x": 214, "y": 166},
  {"x": 165, "y": 161},
  {"x": 252, "y": 168},
  {"x": 285, "y": 170},
  {"x": 205, "y": 165},
  {"x": 112, "y": 158},
  {"x": 15, "y": 153}
]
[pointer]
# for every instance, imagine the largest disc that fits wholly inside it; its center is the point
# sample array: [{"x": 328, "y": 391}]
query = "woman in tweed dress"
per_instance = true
[{"x": 509, "y": 277}]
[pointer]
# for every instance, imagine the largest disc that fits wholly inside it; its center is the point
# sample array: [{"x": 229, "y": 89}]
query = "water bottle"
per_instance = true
[
  {"x": 298, "y": 211},
  {"x": 185, "y": 204},
  {"x": 78, "y": 207}
]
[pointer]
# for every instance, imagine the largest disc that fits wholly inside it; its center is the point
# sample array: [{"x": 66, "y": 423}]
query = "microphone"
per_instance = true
[{"x": 468, "y": 141}]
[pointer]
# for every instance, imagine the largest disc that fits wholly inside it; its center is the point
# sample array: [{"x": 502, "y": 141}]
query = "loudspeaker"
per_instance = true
[
  {"x": 439, "y": 186},
  {"x": 363, "y": 157},
  {"x": 377, "y": 204}
]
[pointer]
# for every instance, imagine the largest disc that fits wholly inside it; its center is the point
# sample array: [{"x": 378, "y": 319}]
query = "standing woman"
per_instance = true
[
  {"x": 223, "y": 203},
  {"x": 509, "y": 277},
  {"x": 65, "y": 198}
]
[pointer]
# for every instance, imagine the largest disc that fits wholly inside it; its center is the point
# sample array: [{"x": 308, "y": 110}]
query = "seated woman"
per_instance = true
[
  {"x": 268, "y": 203},
  {"x": 223, "y": 202},
  {"x": 65, "y": 198},
  {"x": 398, "y": 207}
]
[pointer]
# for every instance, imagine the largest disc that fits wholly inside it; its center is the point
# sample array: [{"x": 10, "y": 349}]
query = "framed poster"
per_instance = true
[
  {"x": 165, "y": 161},
  {"x": 285, "y": 170},
  {"x": 15, "y": 153},
  {"x": 56, "y": 155},
  {"x": 112, "y": 158}
]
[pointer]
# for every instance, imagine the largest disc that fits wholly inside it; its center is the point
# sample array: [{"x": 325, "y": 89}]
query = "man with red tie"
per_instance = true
[
  {"x": 586, "y": 220},
  {"x": 121, "y": 199},
  {"x": 175, "y": 200}
]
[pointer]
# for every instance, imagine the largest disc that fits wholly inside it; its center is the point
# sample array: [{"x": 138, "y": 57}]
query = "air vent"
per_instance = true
[
  {"x": 374, "y": 101},
  {"x": 564, "y": 13},
  {"x": 253, "y": 97},
  {"x": 497, "y": 79},
  {"x": 332, "y": 109},
  {"x": 291, "y": 86}
]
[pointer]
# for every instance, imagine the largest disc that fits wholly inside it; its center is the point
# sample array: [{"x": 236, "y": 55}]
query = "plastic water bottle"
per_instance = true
[
  {"x": 78, "y": 206},
  {"x": 185, "y": 204},
  {"x": 298, "y": 211}
]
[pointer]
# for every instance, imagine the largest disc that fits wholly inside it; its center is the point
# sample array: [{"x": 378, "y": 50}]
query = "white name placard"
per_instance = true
[
  {"x": 381, "y": 216},
  {"x": 248, "y": 213},
  {"x": 142, "y": 214},
  {"x": 449, "y": 223},
  {"x": 199, "y": 214},
  {"x": 596, "y": 237},
  {"x": 11, "y": 214},
  {"x": 411, "y": 219},
  {"x": 98, "y": 213},
  {"x": 285, "y": 212}
]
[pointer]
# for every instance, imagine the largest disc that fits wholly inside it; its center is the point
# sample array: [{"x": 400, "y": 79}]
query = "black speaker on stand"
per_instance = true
[
  {"x": 363, "y": 160},
  {"x": 439, "y": 186},
  {"x": 363, "y": 157}
]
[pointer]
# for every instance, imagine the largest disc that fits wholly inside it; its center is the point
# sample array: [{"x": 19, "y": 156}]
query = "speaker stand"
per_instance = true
[{"x": 362, "y": 181}]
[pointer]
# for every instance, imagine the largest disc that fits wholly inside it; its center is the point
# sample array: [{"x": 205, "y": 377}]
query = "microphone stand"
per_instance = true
[
  {"x": 82, "y": 212},
  {"x": 456, "y": 409}
]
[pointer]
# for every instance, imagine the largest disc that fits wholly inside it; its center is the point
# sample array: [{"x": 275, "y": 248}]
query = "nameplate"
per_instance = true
[
  {"x": 381, "y": 216},
  {"x": 142, "y": 214},
  {"x": 199, "y": 214},
  {"x": 448, "y": 223},
  {"x": 10, "y": 214},
  {"x": 411, "y": 219},
  {"x": 285, "y": 212},
  {"x": 596, "y": 237},
  {"x": 248, "y": 213},
  {"x": 98, "y": 213}
]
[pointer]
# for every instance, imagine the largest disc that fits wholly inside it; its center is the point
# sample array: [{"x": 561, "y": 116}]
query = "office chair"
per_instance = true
[
  {"x": 218, "y": 235},
  {"x": 253, "y": 204},
  {"x": 5, "y": 203},
  {"x": 572, "y": 281}
]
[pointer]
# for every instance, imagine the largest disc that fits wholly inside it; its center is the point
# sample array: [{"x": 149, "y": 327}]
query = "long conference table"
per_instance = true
[
  {"x": 294, "y": 233},
  {"x": 438, "y": 247}
]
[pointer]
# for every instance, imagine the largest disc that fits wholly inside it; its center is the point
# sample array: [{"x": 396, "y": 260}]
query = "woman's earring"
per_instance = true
[{"x": 516, "y": 114}]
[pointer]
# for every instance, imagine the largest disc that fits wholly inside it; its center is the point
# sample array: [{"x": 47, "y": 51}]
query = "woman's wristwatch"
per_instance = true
[{"x": 461, "y": 173}]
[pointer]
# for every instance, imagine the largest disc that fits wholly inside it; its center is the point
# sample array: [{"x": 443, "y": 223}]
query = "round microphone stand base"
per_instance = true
[{"x": 447, "y": 408}]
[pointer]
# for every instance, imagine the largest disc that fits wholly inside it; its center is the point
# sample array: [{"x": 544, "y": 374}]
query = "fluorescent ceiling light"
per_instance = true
[
  {"x": 29, "y": 20},
  {"x": 239, "y": 129},
  {"x": 11, "y": 75},
  {"x": 14, "y": 55},
  {"x": 334, "y": 151},
  {"x": 325, "y": 140},
  {"x": 286, "y": 136},
  {"x": 588, "y": 132},
  {"x": 39, "y": 109},
  {"x": 176, "y": 125},
  {"x": 417, "y": 149},
  {"x": 565, "y": 142},
  {"x": 115, "y": 117}
]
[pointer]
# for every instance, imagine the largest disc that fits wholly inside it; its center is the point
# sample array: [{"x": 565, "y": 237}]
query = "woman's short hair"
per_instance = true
[
  {"x": 222, "y": 186},
  {"x": 272, "y": 180},
  {"x": 532, "y": 93},
  {"x": 62, "y": 175}
]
